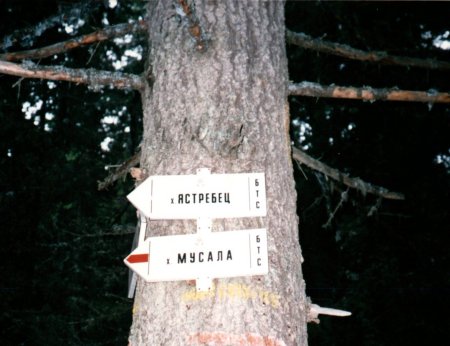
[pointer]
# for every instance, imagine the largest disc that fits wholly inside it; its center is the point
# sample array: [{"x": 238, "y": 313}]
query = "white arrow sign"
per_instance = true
[
  {"x": 201, "y": 256},
  {"x": 201, "y": 195}
]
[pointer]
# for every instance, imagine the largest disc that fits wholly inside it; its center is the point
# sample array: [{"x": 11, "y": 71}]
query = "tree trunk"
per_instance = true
[{"x": 223, "y": 107}]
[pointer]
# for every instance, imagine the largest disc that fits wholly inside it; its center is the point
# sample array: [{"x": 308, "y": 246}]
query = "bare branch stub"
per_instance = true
[{"x": 120, "y": 172}]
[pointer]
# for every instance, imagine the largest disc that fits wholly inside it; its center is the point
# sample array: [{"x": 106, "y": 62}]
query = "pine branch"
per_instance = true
[
  {"x": 366, "y": 93},
  {"x": 343, "y": 50},
  {"x": 355, "y": 183},
  {"x": 92, "y": 77},
  {"x": 96, "y": 36}
]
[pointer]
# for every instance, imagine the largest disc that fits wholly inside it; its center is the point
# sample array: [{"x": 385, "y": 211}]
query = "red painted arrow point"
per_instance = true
[{"x": 138, "y": 258}]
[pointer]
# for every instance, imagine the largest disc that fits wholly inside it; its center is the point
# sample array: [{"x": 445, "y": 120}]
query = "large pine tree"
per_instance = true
[{"x": 217, "y": 98}]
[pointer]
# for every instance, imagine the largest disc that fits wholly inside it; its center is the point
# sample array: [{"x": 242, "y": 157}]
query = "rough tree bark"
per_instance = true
[{"x": 223, "y": 108}]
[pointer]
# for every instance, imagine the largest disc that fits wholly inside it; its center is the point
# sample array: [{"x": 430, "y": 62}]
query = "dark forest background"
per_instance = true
[{"x": 63, "y": 241}]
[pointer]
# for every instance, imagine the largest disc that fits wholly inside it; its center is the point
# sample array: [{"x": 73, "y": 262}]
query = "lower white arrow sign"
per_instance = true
[{"x": 201, "y": 256}]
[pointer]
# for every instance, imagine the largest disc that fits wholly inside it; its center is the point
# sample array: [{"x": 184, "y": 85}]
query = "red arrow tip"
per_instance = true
[{"x": 138, "y": 258}]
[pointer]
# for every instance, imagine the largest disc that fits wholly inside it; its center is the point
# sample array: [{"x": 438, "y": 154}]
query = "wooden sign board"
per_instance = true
[
  {"x": 201, "y": 256},
  {"x": 201, "y": 195}
]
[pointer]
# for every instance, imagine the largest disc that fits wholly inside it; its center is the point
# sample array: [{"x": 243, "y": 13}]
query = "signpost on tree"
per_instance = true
[{"x": 204, "y": 255}]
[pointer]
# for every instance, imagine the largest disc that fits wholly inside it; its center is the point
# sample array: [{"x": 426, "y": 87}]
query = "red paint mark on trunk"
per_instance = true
[{"x": 221, "y": 338}]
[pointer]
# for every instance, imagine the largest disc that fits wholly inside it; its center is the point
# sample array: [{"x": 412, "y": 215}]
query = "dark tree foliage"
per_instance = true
[
  {"x": 386, "y": 261},
  {"x": 63, "y": 280}
]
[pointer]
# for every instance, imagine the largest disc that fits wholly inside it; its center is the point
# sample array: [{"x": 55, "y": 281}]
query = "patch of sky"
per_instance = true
[
  {"x": 105, "y": 20},
  {"x": 123, "y": 40},
  {"x": 426, "y": 35},
  {"x": 72, "y": 27},
  {"x": 127, "y": 129},
  {"x": 345, "y": 133},
  {"x": 135, "y": 53},
  {"x": 443, "y": 159},
  {"x": 122, "y": 111},
  {"x": 304, "y": 132},
  {"x": 51, "y": 85},
  {"x": 111, "y": 55},
  {"x": 119, "y": 64},
  {"x": 29, "y": 110},
  {"x": 105, "y": 144},
  {"x": 110, "y": 120},
  {"x": 49, "y": 116},
  {"x": 68, "y": 28},
  {"x": 442, "y": 41},
  {"x": 112, "y": 3}
]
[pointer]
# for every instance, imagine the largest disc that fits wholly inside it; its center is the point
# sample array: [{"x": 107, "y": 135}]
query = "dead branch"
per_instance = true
[
  {"x": 343, "y": 50},
  {"x": 26, "y": 36},
  {"x": 355, "y": 183},
  {"x": 96, "y": 36},
  {"x": 366, "y": 93},
  {"x": 92, "y": 77},
  {"x": 120, "y": 172}
]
